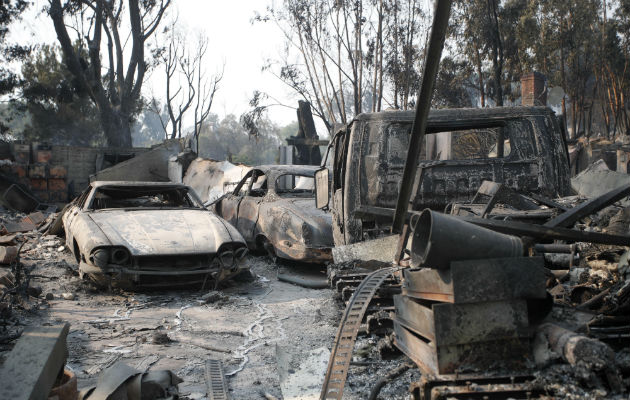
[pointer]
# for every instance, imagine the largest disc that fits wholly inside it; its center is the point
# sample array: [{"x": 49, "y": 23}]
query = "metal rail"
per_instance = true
[
  {"x": 341, "y": 354},
  {"x": 215, "y": 381}
]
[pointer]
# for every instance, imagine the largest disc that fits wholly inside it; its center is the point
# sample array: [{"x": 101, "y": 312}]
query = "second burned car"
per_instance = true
[{"x": 273, "y": 207}]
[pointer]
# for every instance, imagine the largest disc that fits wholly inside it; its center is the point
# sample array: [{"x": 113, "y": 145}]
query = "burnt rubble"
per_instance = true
[
  {"x": 502, "y": 291},
  {"x": 554, "y": 323},
  {"x": 532, "y": 302},
  {"x": 490, "y": 319}
]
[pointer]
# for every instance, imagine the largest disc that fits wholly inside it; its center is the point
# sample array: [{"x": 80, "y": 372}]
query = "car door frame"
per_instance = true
[
  {"x": 231, "y": 208},
  {"x": 248, "y": 210},
  {"x": 227, "y": 206}
]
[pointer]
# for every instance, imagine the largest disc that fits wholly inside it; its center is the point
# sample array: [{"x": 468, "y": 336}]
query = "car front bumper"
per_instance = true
[{"x": 135, "y": 275}]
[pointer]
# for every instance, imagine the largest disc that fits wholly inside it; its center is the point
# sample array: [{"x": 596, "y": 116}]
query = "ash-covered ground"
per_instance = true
[
  {"x": 179, "y": 330},
  {"x": 248, "y": 323}
]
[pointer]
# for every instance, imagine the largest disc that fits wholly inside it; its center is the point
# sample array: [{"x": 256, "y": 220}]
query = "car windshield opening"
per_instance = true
[
  {"x": 293, "y": 185},
  {"x": 135, "y": 197},
  {"x": 457, "y": 144}
]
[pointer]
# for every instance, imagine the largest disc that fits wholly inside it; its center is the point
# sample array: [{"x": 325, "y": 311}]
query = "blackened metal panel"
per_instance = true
[
  {"x": 448, "y": 324},
  {"x": 511, "y": 353},
  {"x": 248, "y": 217},
  {"x": 227, "y": 208},
  {"x": 479, "y": 280},
  {"x": 457, "y": 324},
  {"x": 415, "y": 316}
]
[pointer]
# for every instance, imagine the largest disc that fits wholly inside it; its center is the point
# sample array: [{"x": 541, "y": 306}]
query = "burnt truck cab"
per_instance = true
[{"x": 521, "y": 147}]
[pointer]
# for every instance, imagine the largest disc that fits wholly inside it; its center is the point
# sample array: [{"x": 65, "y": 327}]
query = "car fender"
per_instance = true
[{"x": 87, "y": 234}]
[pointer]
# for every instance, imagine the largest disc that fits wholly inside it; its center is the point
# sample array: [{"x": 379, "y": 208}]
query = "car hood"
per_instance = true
[{"x": 162, "y": 232}]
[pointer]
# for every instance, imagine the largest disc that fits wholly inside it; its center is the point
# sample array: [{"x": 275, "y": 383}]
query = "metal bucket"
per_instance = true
[{"x": 439, "y": 239}]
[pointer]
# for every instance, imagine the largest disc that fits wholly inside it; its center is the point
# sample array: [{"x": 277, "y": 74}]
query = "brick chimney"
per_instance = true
[{"x": 533, "y": 91}]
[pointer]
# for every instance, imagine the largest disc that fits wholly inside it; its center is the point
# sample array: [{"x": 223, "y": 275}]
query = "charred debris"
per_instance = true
[
  {"x": 508, "y": 293},
  {"x": 530, "y": 302},
  {"x": 417, "y": 265}
]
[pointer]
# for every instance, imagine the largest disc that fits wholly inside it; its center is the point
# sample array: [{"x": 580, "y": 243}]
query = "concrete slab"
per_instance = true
[
  {"x": 31, "y": 368},
  {"x": 598, "y": 180}
]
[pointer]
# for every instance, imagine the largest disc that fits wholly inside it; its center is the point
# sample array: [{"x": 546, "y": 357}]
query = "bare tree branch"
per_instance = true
[{"x": 195, "y": 90}]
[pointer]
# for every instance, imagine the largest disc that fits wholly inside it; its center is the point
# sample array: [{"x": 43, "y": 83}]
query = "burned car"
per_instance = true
[
  {"x": 273, "y": 208},
  {"x": 150, "y": 234}
]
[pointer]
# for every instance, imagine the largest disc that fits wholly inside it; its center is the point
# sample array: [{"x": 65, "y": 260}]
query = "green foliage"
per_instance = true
[
  {"x": 10, "y": 11},
  {"x": 13, "y": 120},
  {"x": 288, "y": 130},
  {"x": 147, "y": 129},
  {"x": 451, "y": 88},
  {"x": 113, "y": 36},
  {"x": 346, "y": 57},
  {"x": 582, "y": 46},
  {"x": 60, "y": 112}
]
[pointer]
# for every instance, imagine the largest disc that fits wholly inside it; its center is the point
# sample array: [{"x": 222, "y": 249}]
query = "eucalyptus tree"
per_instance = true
[{"x": 97, "y": 26}]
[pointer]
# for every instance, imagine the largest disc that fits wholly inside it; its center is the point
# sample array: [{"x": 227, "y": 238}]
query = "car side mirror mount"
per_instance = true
[{"x": 321, "y": 188}]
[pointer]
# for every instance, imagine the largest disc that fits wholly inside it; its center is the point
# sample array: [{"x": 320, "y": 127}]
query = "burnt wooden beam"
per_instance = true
[
  {"x": 542, "y": 232},
  {"x": 547, "y": 201},
  {"x": 539, "y": 232},
  {"x": 570, "y": 217},
  {"x": 306, "y": 141}
]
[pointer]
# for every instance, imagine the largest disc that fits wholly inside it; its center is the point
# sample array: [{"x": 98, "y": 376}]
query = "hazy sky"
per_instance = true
[
  {"x": 233, "y": 40},
  {"x": 243, "y": 47}
]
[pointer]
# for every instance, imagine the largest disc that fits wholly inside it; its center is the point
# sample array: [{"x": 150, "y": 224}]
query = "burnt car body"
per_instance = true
[
  {"x": 150, "y": 233},
  {"x": 520, "y": 147},
  {"x": 273, "y": 207}
]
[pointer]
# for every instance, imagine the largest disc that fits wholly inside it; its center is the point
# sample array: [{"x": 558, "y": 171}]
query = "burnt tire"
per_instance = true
[
  {"x": 265, "y": 245},
  {"x": 245, "y": 276},
  {"x": 99, "y": 280}
]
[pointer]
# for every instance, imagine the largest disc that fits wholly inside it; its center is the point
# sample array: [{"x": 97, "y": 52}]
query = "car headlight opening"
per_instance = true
[
  {"x": 227, "y": 259},
  {"x": 120, "y": 256},
  {"x": 100, "y": 257}
]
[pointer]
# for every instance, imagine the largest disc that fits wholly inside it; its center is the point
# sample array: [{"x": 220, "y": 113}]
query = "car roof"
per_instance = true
[
  {"x": 288, "y": 169},
  {"x": 451, "y": 114},
  {"x": 97, "y": 184}
]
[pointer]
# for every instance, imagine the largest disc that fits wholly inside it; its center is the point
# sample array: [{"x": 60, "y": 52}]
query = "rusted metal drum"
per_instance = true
[{"x": 439, "y": 239}]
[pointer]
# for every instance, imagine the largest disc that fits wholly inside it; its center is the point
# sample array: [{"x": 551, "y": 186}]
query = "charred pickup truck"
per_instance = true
[{"x": 521, "y": 147}]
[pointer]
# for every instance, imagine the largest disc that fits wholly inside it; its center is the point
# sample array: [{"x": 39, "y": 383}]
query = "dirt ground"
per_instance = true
[{"x": 180, "y": 329}]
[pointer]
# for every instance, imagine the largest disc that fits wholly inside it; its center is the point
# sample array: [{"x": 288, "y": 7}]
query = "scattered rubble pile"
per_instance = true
[
  {"x": 551, "y": 324},
  {"x": 21, "y": 237},
  {"x": 482, "y": 320},
  {"x": 580, "y": 351}
]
